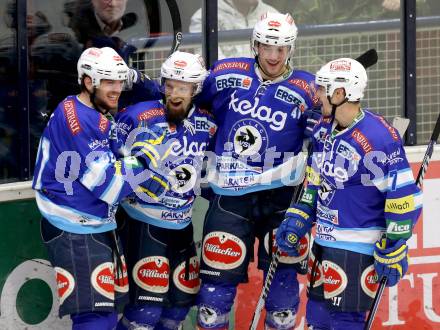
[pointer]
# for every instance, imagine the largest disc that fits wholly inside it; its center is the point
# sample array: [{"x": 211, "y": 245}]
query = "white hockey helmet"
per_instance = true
[
  {"x": 101, "y": 63},
  {"x": 343, "y": 73},
  {"x": 274, "y": 29},
  {"x": 184, "y": 67}
]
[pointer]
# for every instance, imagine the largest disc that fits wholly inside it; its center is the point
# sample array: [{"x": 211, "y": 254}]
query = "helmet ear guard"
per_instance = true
[
  {"x": 185, "y": 67},
  {"x": 101, "y": 63}
]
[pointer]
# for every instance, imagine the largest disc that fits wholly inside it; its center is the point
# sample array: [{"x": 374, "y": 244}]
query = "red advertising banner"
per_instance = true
[{"x": 414, "y": 303}]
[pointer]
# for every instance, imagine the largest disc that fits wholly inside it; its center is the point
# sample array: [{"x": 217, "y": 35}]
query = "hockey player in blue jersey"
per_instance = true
[
  {"x": 361, "y": 194},
  {"x": 162, "y": 262},
  {"x": 261, "y": 107},
  {"x": 78, "y": 183}
]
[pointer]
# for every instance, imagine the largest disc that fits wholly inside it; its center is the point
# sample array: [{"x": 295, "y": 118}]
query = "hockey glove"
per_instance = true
[
  {"x": 391, "y": 259},
  {"x": 299, "y": 220},
  {"x": 155, "y": 186},
  {"x": 134, "y": 77},
  {"x": 151, "y": 146},
  {"x": 312, "y": 117}
]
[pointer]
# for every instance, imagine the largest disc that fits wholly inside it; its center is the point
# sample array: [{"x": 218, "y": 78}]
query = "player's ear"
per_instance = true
[
  {"x": 88, "y": 83},
  {"x": 339, "y": 93}
]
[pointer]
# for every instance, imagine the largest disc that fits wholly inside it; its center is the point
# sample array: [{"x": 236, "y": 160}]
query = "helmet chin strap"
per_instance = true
[{"x": 334, "y": 106}]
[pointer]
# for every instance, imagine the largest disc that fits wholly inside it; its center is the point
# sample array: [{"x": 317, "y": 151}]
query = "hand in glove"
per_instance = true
[
  {"x": 151, "y": 146},
  {"x": 299, "y": 220},
  {"x": 391, "y": 259},
  {"x": 155, "y": 186},
  {"x": 312, "y": 117}
]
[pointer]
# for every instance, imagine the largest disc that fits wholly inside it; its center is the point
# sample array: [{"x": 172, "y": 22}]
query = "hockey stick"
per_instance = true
[
  {"x": 367, "y": 59},
  {"x": 153, "y": 8},
  {"x": 419, "y": 181},
  {"x": 177, "y": 25},
  {"x": 274, "y": 262}
]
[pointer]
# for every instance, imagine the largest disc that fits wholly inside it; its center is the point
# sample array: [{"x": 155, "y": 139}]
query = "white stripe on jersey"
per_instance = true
[
  {"x": 330, "y": 233},
  {"x": 49, "y": 209},
  {"x": 94, "y": 176},
  {"x": 392, "y": 182},
  {"x": 111, "y": 193},
  {"x": 43, "y": 150},
  {"x": 160, "y": 213}
]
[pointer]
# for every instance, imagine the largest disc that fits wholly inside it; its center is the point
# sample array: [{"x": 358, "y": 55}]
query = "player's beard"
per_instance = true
[
  {"x": 105, "y": 106},
  {"x": 175, "y": 114}
]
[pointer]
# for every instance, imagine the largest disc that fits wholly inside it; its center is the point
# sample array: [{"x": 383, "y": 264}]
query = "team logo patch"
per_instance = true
[
  {"x": 65, "y": 283},
  {"x": 121, "y": 279},
  {"x": 284, "y": 257},
  {"x": 369, "y": 281},
  {"x": 335, "y": 279},
  {"x": 249, "y": 138},
  {"x": 222, "y": 250},
  {"x": 103, "y": 280},
  {"x": 326, "y": 193},
  {"x": 186, "y": 177},
  {"x": 152, "y": 274},
  {"x": 192, "y": 285},
  {"x": 247, "y": 141},
  {"x": 317, "y": 272},
  {"x": 207, "y": 315}
]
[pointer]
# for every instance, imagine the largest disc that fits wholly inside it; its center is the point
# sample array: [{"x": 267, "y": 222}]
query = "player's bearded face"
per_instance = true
[
  {"x": 108, "y": 93},
  {"x": 178, "y": 97},
  {"x": 272, "y": 59}
]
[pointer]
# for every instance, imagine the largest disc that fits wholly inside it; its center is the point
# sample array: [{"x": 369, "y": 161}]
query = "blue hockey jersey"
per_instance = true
[
  {"x": 261, "y": 126},
  {"x": 363, "y": 184},
  {"x": 188, "y": 142},
  {"x": 78, "y": 180}
]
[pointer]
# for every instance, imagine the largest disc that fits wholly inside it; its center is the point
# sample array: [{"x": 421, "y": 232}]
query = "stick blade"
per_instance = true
[{"x": 369, "y": 58}]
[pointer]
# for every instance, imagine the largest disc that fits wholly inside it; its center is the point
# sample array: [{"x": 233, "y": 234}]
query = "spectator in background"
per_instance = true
[
  {"x": 97, "y": 23},
  {"x": 234, "y": 15}
]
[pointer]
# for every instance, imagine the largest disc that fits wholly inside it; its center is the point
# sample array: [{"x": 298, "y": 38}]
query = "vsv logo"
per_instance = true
[{"x": 276, "y": 119}]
